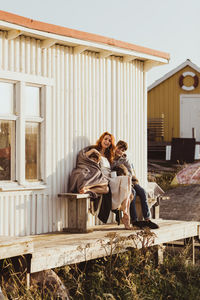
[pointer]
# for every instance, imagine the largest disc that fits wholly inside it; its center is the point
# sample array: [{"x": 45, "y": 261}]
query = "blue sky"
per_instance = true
[{"x": 171, "y": 26}]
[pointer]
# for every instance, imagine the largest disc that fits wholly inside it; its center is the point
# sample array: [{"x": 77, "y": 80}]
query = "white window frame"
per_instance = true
[{"x": 21, "y": 80}]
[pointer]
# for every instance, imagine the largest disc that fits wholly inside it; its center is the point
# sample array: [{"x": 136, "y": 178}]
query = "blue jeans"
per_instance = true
[{"x": 139, "y": 191}]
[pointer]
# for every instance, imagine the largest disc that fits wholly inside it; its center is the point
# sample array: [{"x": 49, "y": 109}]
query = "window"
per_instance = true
[
  {"x": 7, "y": 131},
  {"x": 21, "y": 107},
  {"x": 32, "y": 132}
]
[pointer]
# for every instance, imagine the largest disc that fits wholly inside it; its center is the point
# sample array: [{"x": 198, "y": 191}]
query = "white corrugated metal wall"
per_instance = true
[{"x": 90, "y": 95}]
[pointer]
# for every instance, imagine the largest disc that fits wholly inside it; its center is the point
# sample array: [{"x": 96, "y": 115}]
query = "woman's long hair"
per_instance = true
[{"x": 109, "y": 152}]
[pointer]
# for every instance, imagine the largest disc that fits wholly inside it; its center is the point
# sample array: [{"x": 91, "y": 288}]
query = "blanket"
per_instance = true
[
  {"x": 121, "y": 192},
  {"x": 86, "y": 174}
]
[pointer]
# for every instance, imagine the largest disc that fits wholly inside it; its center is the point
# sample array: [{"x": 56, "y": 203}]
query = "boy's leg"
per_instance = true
[
  {"x": 143, "y": 198},
  {"x": 145, "y": 208},
  {"x": 133, "y": 213}
]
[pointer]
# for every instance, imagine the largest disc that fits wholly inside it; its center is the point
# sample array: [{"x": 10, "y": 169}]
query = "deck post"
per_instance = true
[
  {"x": 189, "y": 242},
  {"x": 160, "y": 254},
  {"x": 28, "y": 272}
]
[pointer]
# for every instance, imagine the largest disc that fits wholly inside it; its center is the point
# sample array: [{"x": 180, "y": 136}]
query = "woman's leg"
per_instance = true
[{"x": 126, "y": 216}]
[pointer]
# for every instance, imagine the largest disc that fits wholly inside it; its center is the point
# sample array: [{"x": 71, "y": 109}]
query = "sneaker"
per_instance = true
[
  {"x": 139, "y": 224},
  {"x": 151, "y": 224}
]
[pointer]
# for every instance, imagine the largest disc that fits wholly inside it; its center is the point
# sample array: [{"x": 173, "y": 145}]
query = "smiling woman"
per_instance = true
[{"x": 120, "y": 186}]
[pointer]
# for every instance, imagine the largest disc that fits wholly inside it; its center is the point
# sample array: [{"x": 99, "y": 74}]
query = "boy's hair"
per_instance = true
[
  {"x": 123, "y": 145},
  {"x": 121, "y": 170}
]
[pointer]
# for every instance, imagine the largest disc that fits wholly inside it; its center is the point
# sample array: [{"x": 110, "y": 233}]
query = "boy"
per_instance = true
[{"x": 121, "y": 158}]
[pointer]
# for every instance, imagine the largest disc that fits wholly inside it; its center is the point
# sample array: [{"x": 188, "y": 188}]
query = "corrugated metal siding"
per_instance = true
[
  {"x": 90, "y": 95},
  {"x": 165, "y": 99}
]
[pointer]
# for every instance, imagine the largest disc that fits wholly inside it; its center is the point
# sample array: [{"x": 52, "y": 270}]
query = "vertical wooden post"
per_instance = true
[
  {"x": 189, "y": 242},
  {"x": 160, "y": 254},
  {"x": 28, "y": 272},
  {"x": 194, "y": 133},
  {"x": 155, "y": 211}
]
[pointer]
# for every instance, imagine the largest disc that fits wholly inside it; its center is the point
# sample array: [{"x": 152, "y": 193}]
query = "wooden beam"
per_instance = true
[
  {"x": 104, "y": 54},
  {"x": 128, "y": 58},
  {"x": 148, "y": 65},
  {"x": 79, "y": 49},
  {"x": 48, "y": 43},
  {"x": 10, "y": 247},
  {"x": 13, "y": 34}
]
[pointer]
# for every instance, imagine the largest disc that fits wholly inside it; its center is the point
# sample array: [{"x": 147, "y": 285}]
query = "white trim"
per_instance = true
[
  {"x": 16, "y": 77},
  {"x": 20, "y": 134},
  {"x": 8, "y": 187},
  {"x": 189, "y": 96},
  {"x": 95, "y": 46},
  {"x": 174, "y": 71},
  {"x": 8, "y": 117},
  {"x": 34, "y": 119}
]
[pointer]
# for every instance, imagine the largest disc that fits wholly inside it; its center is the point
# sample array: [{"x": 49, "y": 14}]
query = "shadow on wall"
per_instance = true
[{"x": 78, "y": 143}]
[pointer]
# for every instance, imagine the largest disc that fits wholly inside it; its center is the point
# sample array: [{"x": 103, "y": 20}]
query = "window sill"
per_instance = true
[{"x": 11, "y": 188}]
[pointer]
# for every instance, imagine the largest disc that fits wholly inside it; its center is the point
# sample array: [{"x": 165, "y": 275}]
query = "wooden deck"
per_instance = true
[{"x": 59, "y": 249}]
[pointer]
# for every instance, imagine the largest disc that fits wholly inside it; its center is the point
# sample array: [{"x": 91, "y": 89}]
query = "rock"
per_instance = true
[{"x": 51, "y": 284}]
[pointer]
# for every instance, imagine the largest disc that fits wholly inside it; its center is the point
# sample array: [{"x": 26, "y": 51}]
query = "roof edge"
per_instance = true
[
  {"x": 73, "y": 33},
  {"x": 172, "y": 72}
]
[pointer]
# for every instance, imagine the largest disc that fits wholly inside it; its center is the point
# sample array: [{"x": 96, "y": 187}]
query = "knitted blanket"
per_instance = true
[{"x": 86, "y": 174}]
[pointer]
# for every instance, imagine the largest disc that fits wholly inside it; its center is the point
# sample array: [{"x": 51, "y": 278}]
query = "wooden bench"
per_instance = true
[
  {"x": 79, "y": 206},
  {"x": 78, "y": 209}
]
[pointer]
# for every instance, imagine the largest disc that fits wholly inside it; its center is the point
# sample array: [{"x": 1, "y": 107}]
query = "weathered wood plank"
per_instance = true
[
  {"x": 10, "y": 247},
  {"x": 59, "y": 249},
  {"x": 67, "y": 249},
  {"x": 73, "y": 195}
]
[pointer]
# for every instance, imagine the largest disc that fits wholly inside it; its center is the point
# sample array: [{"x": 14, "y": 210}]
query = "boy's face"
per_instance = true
[{"x": 119, "y": 151}]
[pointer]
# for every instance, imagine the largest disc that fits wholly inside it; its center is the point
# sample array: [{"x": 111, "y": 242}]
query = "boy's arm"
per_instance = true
[{"x": 128, "y": 165}]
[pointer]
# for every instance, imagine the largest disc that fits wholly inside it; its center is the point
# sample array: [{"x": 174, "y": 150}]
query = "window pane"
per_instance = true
[
  {"x": 6, "y": 98},
  {"x": 32, "y": 101},
  {"x": 32, "y": 151},
  {"x": 7, "y": 144}
]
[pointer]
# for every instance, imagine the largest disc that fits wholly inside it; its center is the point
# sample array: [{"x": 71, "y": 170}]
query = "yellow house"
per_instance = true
[{"x": 176, "y": 96}]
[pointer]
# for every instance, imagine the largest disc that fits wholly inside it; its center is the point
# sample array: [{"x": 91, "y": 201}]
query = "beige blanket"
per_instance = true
[{"x": 121, "y": 192}]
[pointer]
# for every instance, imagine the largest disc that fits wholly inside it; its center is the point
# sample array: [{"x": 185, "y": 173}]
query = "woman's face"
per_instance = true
[{"x": 106, "y": 142}]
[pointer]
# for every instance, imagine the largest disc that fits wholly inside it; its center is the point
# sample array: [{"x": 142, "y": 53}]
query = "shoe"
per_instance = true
[
  {"x": 150, "y": 224},
  {"x": 139, "y": 224}
]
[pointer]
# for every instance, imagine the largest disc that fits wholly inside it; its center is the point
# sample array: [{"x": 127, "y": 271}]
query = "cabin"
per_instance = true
[
  {"x": 174, "y": 99},
  {"x": 60, "y": 90}
]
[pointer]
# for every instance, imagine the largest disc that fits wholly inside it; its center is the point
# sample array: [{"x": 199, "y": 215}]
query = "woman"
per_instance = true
[
  {"x": 87, "y": 177},
  {"x": 120, "y": 186}
]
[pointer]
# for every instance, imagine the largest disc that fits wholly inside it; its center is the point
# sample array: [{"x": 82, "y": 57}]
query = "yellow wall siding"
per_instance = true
[{"x": 165, "y": 98}]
